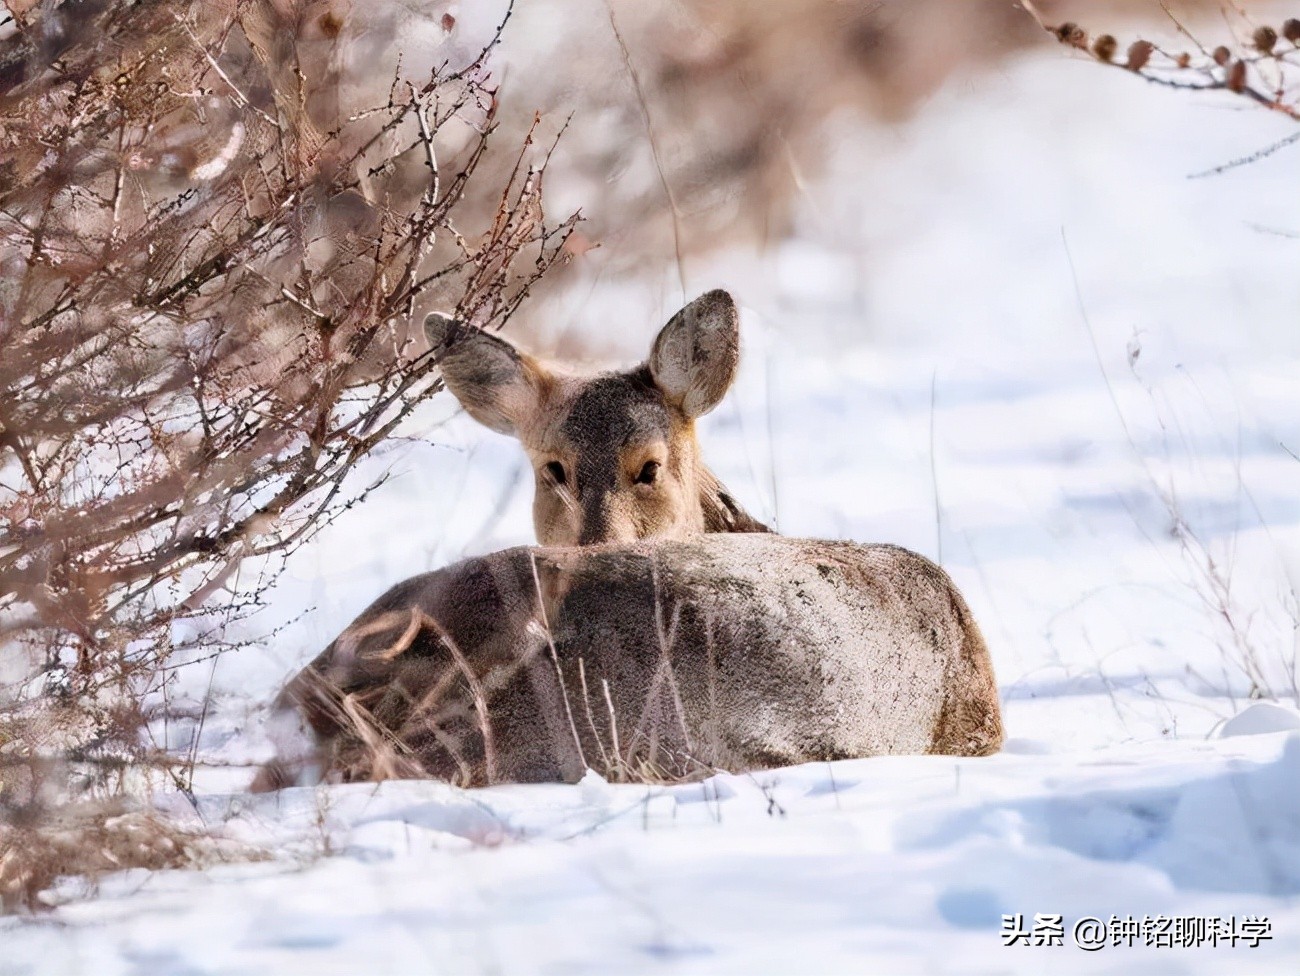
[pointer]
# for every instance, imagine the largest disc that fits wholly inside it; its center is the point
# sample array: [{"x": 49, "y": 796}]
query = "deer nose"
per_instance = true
[
  {"x": 595, "y": 525},
  {"x": 600, "y": 522}
]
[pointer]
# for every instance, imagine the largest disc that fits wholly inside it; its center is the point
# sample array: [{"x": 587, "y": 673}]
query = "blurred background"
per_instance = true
[{"x": 841, "y": 159}]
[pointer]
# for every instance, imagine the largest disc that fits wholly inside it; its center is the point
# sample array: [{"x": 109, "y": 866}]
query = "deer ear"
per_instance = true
[
  {"x": 498, "y": 386},
  {"x": 695, "y": 356}
]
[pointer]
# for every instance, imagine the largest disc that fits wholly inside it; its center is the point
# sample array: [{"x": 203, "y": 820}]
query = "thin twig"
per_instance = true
[{"x": 673, "y": 208}]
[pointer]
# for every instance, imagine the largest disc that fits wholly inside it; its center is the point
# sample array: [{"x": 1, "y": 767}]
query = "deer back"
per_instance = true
[{"x": 651, "y": 661}]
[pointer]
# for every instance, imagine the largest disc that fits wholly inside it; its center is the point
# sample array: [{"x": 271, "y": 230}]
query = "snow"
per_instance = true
[
  {"x": 1013, "y": 336},
  {"x": 1260, "y": 719},
  {"x": 909, "y": 863}
]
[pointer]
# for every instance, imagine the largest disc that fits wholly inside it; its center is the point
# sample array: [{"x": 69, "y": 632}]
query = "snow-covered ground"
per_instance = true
[
  {"x": 886, "y": 865},
  {"x": 1012, "y": 335}
]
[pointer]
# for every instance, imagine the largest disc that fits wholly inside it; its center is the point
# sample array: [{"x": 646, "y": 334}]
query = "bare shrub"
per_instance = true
[{"x": 206, "y": 270}]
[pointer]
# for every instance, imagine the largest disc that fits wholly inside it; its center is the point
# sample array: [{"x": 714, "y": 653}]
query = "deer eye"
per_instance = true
[
  {"x": 648, "y": 474},
  {"x": 555, "y": 471}
]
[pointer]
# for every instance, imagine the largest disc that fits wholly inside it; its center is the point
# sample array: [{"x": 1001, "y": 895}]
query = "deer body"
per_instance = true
[
  {"x": 661, "y": 660},
  {"x": 659, "y": 631}
]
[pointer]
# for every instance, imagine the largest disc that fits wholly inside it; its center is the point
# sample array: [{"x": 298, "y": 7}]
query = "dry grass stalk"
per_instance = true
[{"x": 88, "y": 842}]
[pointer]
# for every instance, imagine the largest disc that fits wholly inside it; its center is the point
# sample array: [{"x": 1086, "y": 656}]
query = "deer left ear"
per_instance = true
[
  {"x": 498, "y": 386},
  {"x": 695, "y": 356}
]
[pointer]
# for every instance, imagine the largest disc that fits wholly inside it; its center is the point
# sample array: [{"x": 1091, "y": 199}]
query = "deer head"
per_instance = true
[{"x": 615, "y": 455}]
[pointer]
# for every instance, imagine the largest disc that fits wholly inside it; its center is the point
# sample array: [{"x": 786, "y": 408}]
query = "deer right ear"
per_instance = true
[
  {"x": 695, "y": 356},
  {"x": 498, "y": 386}
]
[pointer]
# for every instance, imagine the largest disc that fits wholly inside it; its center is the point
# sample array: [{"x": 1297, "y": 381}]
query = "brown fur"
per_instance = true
[{"x": 661, "y": 660}]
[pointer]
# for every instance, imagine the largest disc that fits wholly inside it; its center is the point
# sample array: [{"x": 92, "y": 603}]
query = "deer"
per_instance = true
[{"x": 657, "y": 632}]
